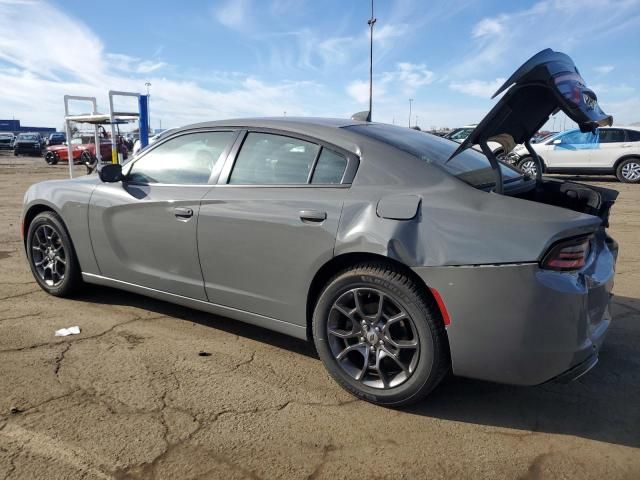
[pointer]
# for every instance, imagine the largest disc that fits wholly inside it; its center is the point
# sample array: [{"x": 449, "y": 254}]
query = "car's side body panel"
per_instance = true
[
  {"x": 140, "y": 237},
  {"x": 258, "y": 252}
]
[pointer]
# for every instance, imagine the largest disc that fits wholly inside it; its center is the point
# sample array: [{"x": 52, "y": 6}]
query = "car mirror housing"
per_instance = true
[
  {"x": 557, "y": 141},
  {"x": 110, "y": 173}
]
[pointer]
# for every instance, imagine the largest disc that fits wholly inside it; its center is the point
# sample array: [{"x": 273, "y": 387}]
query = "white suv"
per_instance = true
[{"x": 611, "y": 150}]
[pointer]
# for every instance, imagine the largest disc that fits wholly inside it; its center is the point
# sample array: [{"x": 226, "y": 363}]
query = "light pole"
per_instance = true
[
  {"x": 148, "y": 84},
  {"x": 371, "y": 22},
  {"x": 410, "y": 102}
]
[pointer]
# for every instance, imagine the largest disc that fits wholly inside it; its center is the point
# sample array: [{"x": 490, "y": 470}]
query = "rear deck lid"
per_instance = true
[{"x": 545, "y": 84}]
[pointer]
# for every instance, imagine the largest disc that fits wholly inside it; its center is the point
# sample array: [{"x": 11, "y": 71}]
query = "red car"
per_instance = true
[{"x": 83, "y": 149}]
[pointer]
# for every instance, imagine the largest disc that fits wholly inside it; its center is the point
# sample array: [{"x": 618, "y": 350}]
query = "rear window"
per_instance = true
[{"x": 470, "y": 166}]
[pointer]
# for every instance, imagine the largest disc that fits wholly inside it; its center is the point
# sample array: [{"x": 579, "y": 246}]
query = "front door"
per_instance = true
[
  {"x": 143, "y": 230},
  {"x": 264, "y": 234},
  {"x": 571, "y": 150}
]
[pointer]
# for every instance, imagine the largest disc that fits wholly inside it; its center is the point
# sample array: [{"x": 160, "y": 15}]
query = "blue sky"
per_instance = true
[{"x": 222, "y": 59}]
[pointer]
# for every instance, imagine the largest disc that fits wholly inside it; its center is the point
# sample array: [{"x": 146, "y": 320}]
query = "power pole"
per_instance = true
[
  {"x": 410, "y": 102},
  {"x": 371, "y": 22}
]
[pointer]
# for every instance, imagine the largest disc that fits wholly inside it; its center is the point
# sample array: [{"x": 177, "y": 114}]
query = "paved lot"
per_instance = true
[{"x": 130, "y": 397}]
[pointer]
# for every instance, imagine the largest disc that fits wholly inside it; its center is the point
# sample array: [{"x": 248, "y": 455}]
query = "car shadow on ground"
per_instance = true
[{"x": 603, "y": 405}]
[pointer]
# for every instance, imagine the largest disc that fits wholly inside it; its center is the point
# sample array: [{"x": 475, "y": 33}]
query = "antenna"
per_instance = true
[{"x": 371, "y": 22}]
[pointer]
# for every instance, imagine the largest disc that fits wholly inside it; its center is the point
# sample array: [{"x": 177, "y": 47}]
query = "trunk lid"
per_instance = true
[{"x": 545, "y": 84}]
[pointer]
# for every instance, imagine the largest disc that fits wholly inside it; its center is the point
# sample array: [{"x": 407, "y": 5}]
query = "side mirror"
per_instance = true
[
  {"x": 110, "y": 173},
  {"x": 557, "y": 141}
]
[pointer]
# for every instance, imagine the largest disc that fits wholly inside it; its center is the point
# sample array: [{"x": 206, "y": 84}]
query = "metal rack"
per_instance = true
[{"x": 113, "y": 118}]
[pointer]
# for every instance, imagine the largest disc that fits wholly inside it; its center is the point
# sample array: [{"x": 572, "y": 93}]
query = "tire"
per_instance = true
[
  {"x": 528, "y": 165},
  {"x": 426, "y": 363},
  {"x": 48, "y": 243},
  {"x": 628, "y": 171},
  {"x": 51, "y": 158},
  {"x": 88, "y": 160}
]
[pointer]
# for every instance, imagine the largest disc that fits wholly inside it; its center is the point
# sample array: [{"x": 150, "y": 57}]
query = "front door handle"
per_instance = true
[
  {"x": 181, "y": 212},
  {"x": 314, "y": 216}
]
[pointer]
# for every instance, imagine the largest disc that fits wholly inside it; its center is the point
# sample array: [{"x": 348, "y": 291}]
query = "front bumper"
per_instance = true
[
  {"x": 28, "y": 149},
  {"x": 521, "y": 325}
]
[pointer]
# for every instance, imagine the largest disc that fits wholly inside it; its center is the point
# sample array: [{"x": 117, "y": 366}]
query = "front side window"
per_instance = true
[
  {"x": 611, "y": 135},
  {"x": 269, "y": 159},
  {"x": 578, "y": 138},
  {"x": 184, "y": 160}
]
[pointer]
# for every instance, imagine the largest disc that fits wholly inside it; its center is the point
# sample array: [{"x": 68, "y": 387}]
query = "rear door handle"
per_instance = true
[
  {"x": 181, "y": 212},
  {"x": 313, "y": 216}
]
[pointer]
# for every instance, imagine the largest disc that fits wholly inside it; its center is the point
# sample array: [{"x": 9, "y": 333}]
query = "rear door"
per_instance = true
[
  {"x": 143, "y": 230},
  {"x": 611, "y": 143},
  {"x": 271, "y": 222}
]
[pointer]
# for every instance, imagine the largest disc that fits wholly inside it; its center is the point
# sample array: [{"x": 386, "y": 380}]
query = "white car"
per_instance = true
[
  {"x": 611, "y": 150},
  {"x": 460, "y": 135}
]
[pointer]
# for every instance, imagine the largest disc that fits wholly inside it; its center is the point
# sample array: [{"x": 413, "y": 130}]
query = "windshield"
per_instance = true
[
  {"x": 28, "y": 137},
  {"x": 470, "y": 166}
]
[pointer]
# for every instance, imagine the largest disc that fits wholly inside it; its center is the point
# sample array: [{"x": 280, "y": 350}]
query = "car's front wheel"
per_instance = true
[
  {"x": 628, "y": 170},
  {"x": 380, "y": 336},
  {"x": 51, "y": 256}
]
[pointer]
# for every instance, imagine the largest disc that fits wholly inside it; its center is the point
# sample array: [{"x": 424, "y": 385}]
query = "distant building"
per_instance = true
[{"x": 15, "y": 127}]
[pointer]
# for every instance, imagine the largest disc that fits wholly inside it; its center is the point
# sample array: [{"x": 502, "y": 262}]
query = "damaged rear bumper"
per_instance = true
[{"x": 519, "y": 324}]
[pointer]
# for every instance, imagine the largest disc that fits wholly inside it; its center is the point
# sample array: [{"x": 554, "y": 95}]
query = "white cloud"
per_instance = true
[
  {"x": 604, "y": 69},
  {"x": 406, "y": 79},
  {"x": 45, "y": 54},
  {"x": 388, "y": 31},
  {"x": 233, "y": 13},
  {"x": 488, "y": 26},
  {"x": 478, "y": 88}
]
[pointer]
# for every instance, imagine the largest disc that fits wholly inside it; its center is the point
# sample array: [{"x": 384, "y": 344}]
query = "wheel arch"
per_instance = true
[
  {"x": 346, "y": 260},
  {"x": 32, "y": 212},
  {"x": 623, "y": 158}
]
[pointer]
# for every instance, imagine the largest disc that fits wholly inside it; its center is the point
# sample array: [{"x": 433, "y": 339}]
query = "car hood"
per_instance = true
[{"x": 545, "y": 84}]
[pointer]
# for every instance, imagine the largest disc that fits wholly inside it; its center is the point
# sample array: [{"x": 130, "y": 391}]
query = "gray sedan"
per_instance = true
[{"x": 402, "y": 255}]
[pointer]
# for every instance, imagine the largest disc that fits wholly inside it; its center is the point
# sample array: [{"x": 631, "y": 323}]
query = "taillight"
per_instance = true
[{"x": 568, "y": 254}]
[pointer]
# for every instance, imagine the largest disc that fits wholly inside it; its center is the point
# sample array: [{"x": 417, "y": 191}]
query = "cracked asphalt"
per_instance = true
[{"x": 153, "y": 390}]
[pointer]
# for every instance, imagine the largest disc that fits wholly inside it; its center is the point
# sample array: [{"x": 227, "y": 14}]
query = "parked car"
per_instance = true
[
  {"x": 57, "y": 138},
  {"x": 83, "y": 150},
  {"x": 461, "y": 134},
  {"x": 28, "y": 144},
  {"x": 6, "y": 140},
  {"x": 610, "y": 151},
  {"x": 402, "y": 255}
]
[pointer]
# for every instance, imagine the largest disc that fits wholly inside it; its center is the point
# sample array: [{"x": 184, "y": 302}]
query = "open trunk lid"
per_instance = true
[{"x": 545, "y": 84}]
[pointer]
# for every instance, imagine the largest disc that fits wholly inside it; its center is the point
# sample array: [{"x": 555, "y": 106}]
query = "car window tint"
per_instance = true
[
  {"x": 611, "y": 135},
  {"x": 578, "y": 138},
  {"x": 268, "y": 159},
  {"x": 184, "y": 160},
  {"x": 633, "y": 135},
  {"x": 330, "y": 168}
]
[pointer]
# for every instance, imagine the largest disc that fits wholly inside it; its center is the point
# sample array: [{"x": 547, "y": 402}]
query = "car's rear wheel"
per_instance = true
[
  {"x": 379, "y": 336},
  {"x": 51, "y": 158},
  {"x": 628, "y": 170},
  {"x": 51, "y": 256}
]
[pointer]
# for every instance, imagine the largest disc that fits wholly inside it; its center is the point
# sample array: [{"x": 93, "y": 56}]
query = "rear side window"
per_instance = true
[
  {"x": 184, "y": 160},
  {"x": 269, "y": 159},
  {"x": 330, "y": 168},
  {"x": 611, "y": 135},
  {"x": 633, "y": 135}
]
